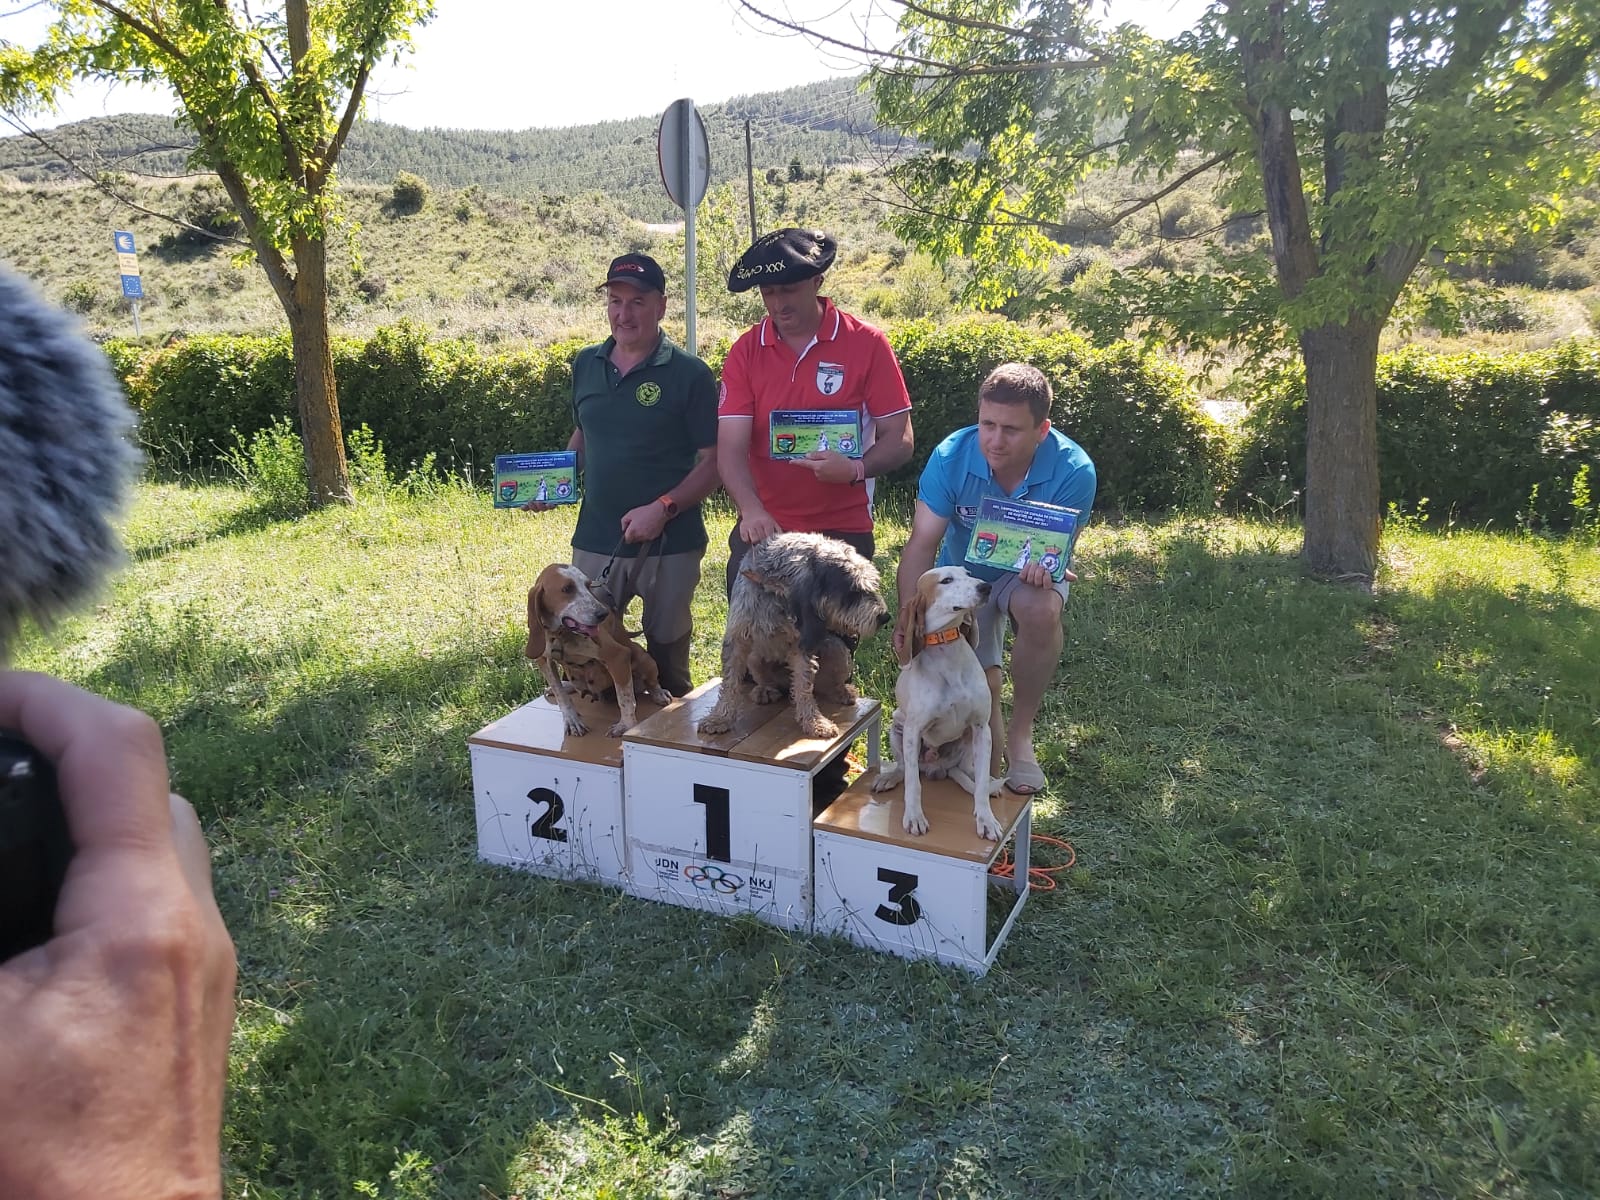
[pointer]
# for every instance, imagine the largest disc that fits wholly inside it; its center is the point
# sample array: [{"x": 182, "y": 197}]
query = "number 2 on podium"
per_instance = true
[{"x": 545, "y": 826}]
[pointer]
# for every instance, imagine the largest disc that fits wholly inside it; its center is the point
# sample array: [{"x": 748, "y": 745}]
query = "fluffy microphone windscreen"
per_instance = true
[{"x": 66, "y": 459}]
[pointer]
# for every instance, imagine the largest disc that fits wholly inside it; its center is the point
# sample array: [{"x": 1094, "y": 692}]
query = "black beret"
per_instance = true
[{"x": 783, "y": 256}]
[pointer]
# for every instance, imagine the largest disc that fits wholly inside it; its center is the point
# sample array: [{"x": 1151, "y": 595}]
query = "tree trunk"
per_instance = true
[
  {"x": 1342, "y": 515},
  {"x": 320, "y": 430}
]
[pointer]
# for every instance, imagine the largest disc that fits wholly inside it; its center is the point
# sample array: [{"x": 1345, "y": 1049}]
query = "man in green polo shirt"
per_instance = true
[{"x": 645, "y": 412}]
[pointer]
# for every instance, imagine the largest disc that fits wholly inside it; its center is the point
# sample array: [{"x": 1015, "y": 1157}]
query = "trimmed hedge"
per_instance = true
[
  {"x": 418, "y": 396},
  {"x": 1135, "y": 415},
  {"x": 1471, "y": 434}
]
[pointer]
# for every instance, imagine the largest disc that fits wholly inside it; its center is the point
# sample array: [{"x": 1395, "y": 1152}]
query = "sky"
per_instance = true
[{"x": 521, "y": 64}]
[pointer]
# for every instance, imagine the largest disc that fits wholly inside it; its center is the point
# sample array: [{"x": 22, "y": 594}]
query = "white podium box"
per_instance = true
[
  {"x": 920, "y": 897},
  {"x": 547, "y": 801},
  {"x": 723, "y": 823}
]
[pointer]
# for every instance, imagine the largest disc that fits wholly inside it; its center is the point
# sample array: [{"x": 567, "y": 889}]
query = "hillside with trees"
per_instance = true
[
  {"x": 449, "y": 230},
  {"x": 814, "y": 127}
]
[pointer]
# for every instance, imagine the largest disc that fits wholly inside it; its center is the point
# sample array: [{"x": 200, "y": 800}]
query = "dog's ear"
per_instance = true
[
  {"x": 969, "y": 629},
  {"x": 808, "y": 620},
  {"x": 536, "y": 634},
  {"x": 914, "y": 619}
]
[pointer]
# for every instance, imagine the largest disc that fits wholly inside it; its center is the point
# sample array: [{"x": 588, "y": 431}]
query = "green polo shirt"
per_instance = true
[{"x": 641, "y": 432}]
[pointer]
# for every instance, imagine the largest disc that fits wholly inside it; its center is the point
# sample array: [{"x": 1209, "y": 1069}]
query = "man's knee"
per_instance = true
[{"x": 1036, "y": 612}]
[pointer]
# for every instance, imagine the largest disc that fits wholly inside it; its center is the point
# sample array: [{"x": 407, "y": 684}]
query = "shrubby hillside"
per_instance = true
[
  {"x": 500, "y": 235},
  {"x": 816, "y": 126}
]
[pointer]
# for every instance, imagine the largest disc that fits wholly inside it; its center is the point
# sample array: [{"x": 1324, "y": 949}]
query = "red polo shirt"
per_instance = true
[{"x": 847, "y": 365}]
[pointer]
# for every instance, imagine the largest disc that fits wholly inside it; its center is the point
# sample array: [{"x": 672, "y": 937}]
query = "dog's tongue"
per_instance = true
[{"x": 580, "y": 627}]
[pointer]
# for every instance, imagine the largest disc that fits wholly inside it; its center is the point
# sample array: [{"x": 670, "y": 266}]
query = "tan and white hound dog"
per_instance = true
[
  {"x": 570, "y": 632},
  {"x": 941, "y": 723}
]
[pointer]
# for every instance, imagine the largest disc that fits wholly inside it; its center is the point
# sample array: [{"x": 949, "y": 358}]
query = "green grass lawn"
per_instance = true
[{"x": 1334, "y": 928}]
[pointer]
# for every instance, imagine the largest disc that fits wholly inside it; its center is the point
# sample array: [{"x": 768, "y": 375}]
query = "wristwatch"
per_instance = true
[{"x": 668, "y": 503}]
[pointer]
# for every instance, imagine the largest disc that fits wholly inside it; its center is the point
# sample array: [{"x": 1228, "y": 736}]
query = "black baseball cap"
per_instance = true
[
  {"x": 640, "y": 270},
  {"x": 782, "y": 256}
]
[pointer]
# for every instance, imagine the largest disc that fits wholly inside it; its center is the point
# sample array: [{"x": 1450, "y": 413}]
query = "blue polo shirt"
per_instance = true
[{"x": 957, "y": 478}]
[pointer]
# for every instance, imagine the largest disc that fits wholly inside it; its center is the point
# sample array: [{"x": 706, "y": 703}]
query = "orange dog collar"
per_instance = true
[{"x": 943, "y": 636}]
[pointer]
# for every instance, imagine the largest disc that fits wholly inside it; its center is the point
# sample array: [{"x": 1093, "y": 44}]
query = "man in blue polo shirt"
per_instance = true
[{"x": 1011, "y": 453}]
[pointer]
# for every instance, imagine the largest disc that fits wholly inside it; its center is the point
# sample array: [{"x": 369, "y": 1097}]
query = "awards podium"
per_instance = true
[
  {"x": 723, "y": 821},
  {"x": 726, "y": 823}
]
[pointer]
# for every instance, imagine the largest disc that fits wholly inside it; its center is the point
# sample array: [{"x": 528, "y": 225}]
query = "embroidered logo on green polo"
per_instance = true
[{"x": 648, "y": 394}]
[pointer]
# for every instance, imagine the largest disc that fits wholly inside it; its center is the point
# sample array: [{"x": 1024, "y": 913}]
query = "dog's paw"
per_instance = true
[
  {"x": 889, "y": 777},
  {"x": 663, "y": 698},
  {"x": 988, "y": 827},
  {"x": 915, "y": 823},
  {"x": 821, "y": 727},
  {"x": 617, "y": 730},
  {"x": 711, "y": 723},
  {"x": 576, "y": 727},
  {"x": 766, "y": 693},
  {"x": 996, "y": 786}
]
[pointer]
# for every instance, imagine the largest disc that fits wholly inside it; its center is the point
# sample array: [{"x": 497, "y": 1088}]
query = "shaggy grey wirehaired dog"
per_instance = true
[{"x": 801, "y": 603}]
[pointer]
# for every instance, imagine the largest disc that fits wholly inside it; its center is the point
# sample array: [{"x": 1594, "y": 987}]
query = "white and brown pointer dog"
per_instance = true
[
  {"x": 941, "y": 724},
  {"x": 573, "y": 635}
]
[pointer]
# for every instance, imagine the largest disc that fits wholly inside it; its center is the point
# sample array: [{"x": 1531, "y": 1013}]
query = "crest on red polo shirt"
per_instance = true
[{"x": 830, "y": 377}]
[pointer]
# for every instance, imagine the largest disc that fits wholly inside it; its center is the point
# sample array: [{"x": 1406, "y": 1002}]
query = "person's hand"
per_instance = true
[
  {"x": 829, "y": 466},
  {"x": 1036, "y": 576},
  {"x": 115, "y": 1042},
  {"x": 645, "y": 523},
  {"x": 757, "y": 524},
  {"x": 902, "y": 627}
]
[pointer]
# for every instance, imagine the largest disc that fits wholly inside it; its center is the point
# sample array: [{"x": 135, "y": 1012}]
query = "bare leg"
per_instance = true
[{"x": 1035, "y": 654}]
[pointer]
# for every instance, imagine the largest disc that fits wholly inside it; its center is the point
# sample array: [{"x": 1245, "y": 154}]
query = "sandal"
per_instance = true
[{"x": 1026, "y": 779}]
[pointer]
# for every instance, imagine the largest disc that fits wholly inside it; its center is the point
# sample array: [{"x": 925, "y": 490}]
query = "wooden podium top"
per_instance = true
[
  {"x": 538, "y": 727},
  {"x": 859, "y": 812},
  {"x": 765, "y": 733}
]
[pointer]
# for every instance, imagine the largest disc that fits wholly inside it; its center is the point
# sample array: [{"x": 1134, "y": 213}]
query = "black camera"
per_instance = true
[{"x": 34, "y": 847}]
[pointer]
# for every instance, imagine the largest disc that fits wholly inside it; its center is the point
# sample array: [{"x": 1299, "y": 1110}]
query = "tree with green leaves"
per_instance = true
[
  {"x": 1368, "y": 132},
  {"x": 271, "y": 92}
]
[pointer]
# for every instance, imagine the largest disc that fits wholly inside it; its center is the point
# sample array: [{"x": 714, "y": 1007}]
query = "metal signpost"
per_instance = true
[
  {"x": 685, "y": 159},
  {"x": 128, "y": 264}
]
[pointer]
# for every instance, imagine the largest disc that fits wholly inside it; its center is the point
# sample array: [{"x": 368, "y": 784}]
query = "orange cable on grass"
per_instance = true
[{"x": 1040, "y": 879}]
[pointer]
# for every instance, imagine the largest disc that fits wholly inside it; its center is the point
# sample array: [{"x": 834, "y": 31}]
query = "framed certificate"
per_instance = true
[
  {"x": 1010, "y": 534},
  {"x": 796, "y": 432},
  {"x": 550, "y": 478}
]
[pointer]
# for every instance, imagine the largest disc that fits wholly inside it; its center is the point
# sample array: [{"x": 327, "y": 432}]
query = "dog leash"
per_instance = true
[{"x": 641, "y": 560}]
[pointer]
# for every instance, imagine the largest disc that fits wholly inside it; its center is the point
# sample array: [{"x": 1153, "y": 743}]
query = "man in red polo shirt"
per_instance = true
[{"x": 806, "y": 355}]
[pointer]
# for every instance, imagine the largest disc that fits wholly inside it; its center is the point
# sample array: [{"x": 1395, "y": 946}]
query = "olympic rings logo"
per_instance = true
[{"x": 712, "y": 878}]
